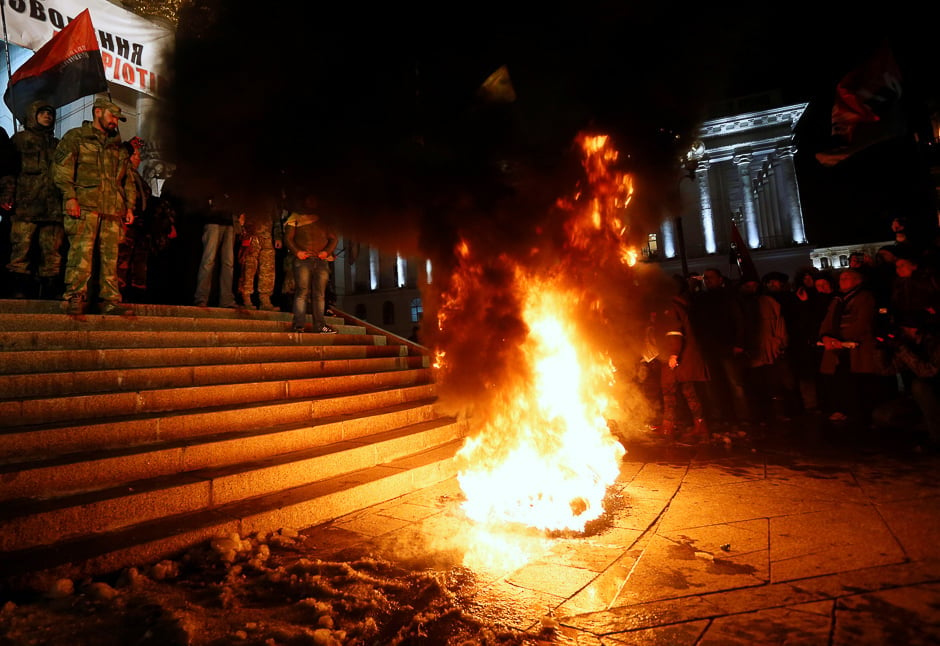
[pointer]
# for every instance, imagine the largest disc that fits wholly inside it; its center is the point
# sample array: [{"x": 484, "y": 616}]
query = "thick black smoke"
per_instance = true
[
  {"x": 377, "y": 109},
  {"x": 374, "y": 105}
]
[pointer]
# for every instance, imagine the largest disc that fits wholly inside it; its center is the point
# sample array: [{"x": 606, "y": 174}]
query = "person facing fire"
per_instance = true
[
  {"x": 90, "y": 167},
  {"x": 312, "y": 243},
  {"x": 684, "y": 370}
]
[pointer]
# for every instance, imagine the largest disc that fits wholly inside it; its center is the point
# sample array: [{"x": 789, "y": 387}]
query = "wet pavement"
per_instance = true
[{"x": 809, "y": 536}]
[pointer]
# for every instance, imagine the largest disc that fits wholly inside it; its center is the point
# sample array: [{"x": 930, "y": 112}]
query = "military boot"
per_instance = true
[{"x": 75, "y": 305}]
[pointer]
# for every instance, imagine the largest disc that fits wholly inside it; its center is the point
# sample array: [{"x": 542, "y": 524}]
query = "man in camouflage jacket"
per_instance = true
[
  {"x": 91, "y": 169},
  {"x": 36, "y": 204}
]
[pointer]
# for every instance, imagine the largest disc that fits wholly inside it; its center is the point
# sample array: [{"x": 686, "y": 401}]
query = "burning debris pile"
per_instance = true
[{"x": 529, "y": 343}]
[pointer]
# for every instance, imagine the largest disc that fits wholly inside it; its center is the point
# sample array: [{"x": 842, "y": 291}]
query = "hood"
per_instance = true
[{"x": 31, "y": 111}]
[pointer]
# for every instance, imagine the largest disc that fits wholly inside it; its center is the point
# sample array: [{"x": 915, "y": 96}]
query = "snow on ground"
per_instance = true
[{"x": 278, "y": 589}]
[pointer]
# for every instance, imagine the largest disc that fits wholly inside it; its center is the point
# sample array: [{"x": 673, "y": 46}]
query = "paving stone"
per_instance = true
[
  {"x": 800, "y": 624},
  {"x": 897, "y": 616},
  {"x": 839, "y": 538},
  {"x": 685, "y": 634}
]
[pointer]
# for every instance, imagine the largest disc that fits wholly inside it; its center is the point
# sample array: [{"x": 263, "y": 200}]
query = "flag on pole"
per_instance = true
[
  {"x": 66, "y": 68},
  {"x": 747, "y": 270},
  {"x": 867, "y": 107}
]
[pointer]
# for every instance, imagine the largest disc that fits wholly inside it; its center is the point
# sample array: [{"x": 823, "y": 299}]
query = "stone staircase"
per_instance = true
[{"x": 127, "y": 439}]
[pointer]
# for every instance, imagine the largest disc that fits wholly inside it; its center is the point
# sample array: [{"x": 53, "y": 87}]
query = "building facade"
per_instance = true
[
  {"x": 380, "y": 287},
  {"x": 740, "y": 169}
]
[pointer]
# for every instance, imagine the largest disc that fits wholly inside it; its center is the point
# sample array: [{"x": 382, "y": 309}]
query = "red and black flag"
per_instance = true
[
  {"x": 66, "y": 68},
  {"x": 867, "y": 108}
]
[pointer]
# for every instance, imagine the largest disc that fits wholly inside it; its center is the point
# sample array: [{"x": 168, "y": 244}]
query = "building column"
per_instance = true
[
  {"x": 669, "y": 238},
  {"x": 743, "y": 163},
  {"x": 705, "y": 204},
  {"x": 790, "y": 193}
]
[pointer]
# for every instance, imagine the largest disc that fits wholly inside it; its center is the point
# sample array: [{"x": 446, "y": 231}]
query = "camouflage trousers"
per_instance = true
[
  {"x": 50, "y": 237},
  {"x": 133, "y": 255},
  {"x": 256, "y": 259},
  {"x": 85, "y": 233}
]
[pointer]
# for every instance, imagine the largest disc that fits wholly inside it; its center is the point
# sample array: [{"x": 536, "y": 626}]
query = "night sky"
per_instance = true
[{"x": 377, "y": 108}]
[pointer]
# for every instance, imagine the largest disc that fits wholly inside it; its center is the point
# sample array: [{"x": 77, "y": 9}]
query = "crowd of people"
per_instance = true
[
  {"x": 86, "y": 228},
  {"x": 857, "y": 347}
]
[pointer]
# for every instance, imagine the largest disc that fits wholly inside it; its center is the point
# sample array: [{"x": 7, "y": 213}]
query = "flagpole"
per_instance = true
[{"x": 6, "y": 48}]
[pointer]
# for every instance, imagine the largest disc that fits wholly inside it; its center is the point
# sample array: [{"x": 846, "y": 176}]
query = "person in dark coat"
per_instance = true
[
  {"x": 715, "y": 315},
  {"x": 683, "y": 370},
  {"x": 762, "y": 341},
  {"x": 915, "y": 290},
  {"x": 851, "y": 354}
]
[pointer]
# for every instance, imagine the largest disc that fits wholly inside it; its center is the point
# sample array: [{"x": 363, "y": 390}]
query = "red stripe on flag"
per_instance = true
[{"x": 66, "y": 68}]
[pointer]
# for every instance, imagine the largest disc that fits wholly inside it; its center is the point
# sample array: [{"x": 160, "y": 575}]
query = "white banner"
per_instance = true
[{"x": 132, "y": 47}]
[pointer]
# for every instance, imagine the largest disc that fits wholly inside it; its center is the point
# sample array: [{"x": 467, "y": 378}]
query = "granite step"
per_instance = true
[
  {"x": 45, "y": 477},
  {"x": 124, "y": 439},
  {"x": 26, "y": 523},
  {"x": 298, "y": 507},
  {"x": 58, "y": 384},
  {"x": 76, "y": 360},
  {"x": 28, "y": 442},
  {"x": 28, "y": 411}
]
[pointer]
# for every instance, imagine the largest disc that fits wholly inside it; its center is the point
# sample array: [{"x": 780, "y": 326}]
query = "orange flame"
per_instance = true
[
  {"x": 546, "y": 459},
  {"x": 541, "y": 453}
]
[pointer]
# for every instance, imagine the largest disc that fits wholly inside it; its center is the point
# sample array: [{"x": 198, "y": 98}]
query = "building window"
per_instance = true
[
  {"x": 652, "y": 244},
  {"x": 843, "y": 260},
  {"x": 417, "y": 310},
  {"x": 373, "y": 268},
  {"x": 427, "y": 269},
  {"x": 388, "y": 313},
  {"x": 401, "y": 266},
  {"x": 824, "y": 262},
  {"x": 361, "y": 311}
]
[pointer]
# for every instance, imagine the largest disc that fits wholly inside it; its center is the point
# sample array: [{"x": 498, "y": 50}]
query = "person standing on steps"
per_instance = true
[
  {"x": 36, "y": 207},
  {"x": 312, "y": 243},
  {"x": 219, "y": 220},
  {"x": 261, "y": 234},
  {"x": 90, "y": 167}
]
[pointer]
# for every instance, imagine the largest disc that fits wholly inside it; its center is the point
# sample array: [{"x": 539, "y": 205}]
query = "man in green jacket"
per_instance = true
[{"x": 90, "y": 167}]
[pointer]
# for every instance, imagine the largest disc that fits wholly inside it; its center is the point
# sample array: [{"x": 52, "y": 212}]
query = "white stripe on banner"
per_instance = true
[{"x": 132, "y": 47}]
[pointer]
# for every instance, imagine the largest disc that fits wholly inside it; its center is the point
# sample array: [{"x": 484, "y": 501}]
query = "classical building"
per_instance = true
[
  {"x": 380, "y": 287},
  {"x": 740, "y": 169}
]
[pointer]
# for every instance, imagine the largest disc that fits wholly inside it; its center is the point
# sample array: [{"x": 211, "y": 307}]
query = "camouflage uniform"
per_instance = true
[
  {"x": 134, "y": 250},
  {"x": 92, "y": 166},
  {"x": 37, "y": 211},
  {"x": 256, "y": 255}
]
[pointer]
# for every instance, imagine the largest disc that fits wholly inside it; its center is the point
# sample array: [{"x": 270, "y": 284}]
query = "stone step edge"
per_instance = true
[
  {"x": 25, "y": 475},
  {"x": 118, "y": 339},
  {"x": 190, "y": 420},
  {"x": 122, "y": 380},
  {"x": 35, "y": 523},
  {"x": 300, "y": 508},
  {"x": 84, "y": 359},
  {"x": 167, "y": 401},
  {"x": 46, "y": 322},
  {"x": 13, "y": 306}
]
